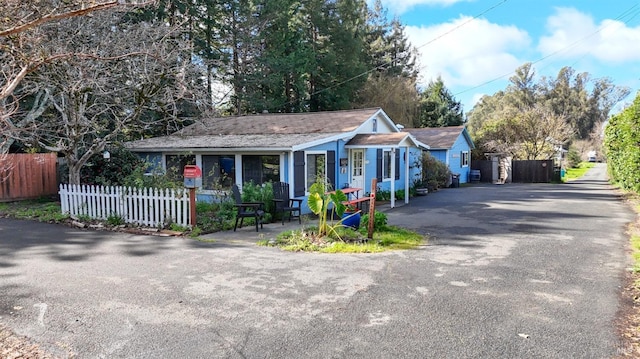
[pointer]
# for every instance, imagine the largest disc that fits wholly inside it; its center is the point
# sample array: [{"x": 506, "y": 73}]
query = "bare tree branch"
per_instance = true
[{"x": 73, "y": 13}]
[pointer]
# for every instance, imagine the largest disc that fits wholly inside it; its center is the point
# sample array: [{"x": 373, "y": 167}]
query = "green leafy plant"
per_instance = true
[
  {"x": 260, "y": 193},
  {"x": 215, "y": 216},
  {"x": 379, "y": 221},
  {"x": 115, "y": 220},
  {"x": 84, "y": 218},
  {"x": 434, "y": 173},
  {"x": 178, "y": 228},
  {"x": 325, "y": 203},
  {"x": 383, "y": 195}
]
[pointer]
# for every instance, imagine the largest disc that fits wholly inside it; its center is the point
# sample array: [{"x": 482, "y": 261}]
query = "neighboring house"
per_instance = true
[
  {"x": 450, "y": 145},
  {"x": 348, "y": 147}
]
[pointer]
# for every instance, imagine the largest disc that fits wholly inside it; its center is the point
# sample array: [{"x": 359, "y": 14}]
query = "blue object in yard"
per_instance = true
[
  {"x": 351, "y": 219},
  {"x": 562, "y": 173},
  {"x": 475, "y": 175}
]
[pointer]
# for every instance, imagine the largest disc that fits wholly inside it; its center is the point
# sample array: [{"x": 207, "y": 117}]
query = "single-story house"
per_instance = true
[
  {"x": 451, "y": 145},
  {"x": 349, "y": 147}
]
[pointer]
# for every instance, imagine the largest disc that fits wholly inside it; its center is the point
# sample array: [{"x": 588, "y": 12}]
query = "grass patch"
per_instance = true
[
  {"x": 577, "y": 172},
  {"x": 350, "y": 241},
  {"x": 42, "y": 210},
  {"x": 635, "y": 249}
]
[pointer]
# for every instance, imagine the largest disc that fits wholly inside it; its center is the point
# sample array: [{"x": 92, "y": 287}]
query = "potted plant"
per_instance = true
[
  {"x": 421, "y": 188},
  {"x": 351, "y": 217}
]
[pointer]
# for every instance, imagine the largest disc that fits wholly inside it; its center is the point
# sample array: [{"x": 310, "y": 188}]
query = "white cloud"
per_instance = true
[
  {"x": 467, "y": 56},
  {"x": 573, "y": 34},
  {"x": 401, "y": 6}
]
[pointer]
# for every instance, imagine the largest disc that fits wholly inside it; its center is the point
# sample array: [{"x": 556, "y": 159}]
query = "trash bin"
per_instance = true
[{"x": 455, "y": 180}]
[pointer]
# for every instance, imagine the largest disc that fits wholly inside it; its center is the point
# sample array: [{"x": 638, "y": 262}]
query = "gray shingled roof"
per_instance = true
[
  {"x": 436, "y": 137},
  {"x": 271, "y": 141},
  {"x": 282, "y": 123},
  {"x": 273, "y": 131}
]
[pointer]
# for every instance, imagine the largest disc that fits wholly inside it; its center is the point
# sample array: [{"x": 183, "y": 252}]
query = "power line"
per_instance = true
[
  {"x": 631, "y": 12},
  {"x": 388, "y": 62}
]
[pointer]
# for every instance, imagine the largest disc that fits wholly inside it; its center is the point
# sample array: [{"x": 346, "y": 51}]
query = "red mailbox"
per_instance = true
[
  {"x": 192, "y": 171},
  {"x": 192, "y": 176}
]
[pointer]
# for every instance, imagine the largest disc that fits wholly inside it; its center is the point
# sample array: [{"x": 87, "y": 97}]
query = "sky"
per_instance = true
[{"x": 476, "y": 45}]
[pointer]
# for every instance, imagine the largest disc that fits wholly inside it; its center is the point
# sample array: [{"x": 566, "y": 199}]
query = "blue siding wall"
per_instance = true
[
  {"x": 455, "y": 154},
  {"x": 440, "y": 155}
]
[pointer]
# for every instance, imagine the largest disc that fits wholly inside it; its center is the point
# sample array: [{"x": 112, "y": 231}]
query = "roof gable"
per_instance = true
[
  {"x": 396, "y": 139},
  {"x": 440, "y": 137}
]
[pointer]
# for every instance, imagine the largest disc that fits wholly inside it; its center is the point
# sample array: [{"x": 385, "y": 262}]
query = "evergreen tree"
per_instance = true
[{"x": 438, "y": 107}]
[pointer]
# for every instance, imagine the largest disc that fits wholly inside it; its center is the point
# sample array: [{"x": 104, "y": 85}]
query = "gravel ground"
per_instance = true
[{"x": 13, "y": 346}]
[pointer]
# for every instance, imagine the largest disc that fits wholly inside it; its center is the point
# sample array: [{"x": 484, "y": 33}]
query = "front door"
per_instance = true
[{"x": 357, "y": 170}]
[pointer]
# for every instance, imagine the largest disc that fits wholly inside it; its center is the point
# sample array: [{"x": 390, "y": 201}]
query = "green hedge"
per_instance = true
[{"x": 622, "y": 146}]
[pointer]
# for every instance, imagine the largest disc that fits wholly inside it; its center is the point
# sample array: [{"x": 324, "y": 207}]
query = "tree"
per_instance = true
[
  {"x": 390, "y": 59},
  {"x": 399, "y": 99},
  {"x": 438, "y": 107},
  {"x": 22, "y": 46},
  {"x": 387, "y": 47},
  {"x": 534, "y": 110},
  {"x": 132, "y": 78}
]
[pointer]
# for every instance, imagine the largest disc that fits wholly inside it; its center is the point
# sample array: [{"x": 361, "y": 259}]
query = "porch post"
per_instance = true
[
  {"x": 291, "y": 176},
  {"x": 406, "y": 175},
  {"x": 393, "y": 177}
]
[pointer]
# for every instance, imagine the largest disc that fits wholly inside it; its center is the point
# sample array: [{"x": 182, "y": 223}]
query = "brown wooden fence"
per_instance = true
[
  {"x": 522, "y": 171},
  {"x": 25, "y": 176},
  {"x": 534, "y": 171}
]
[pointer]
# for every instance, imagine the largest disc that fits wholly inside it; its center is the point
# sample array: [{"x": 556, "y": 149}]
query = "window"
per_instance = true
[
  {"x": 316, "y": 167},
  {"x": 386, "y": 164},
  {"x": 358, "y": 163},
  {"x": 464, "y": 159},
  {"x": 260, "y": 169},
  {"x": 218, "y": 171},
  {"x": 175, "y": 165},
  {"x": 374, "y": 125}
]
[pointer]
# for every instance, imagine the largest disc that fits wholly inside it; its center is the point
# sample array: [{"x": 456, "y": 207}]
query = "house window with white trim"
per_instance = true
[
  {"x": 386, "y": 165},
  {"x": 260, "y": 169},
  {"x": 218, "y": 171},
  {"x": 174, "y": 165},
  {"x": 316, "y": 166},
  {"x": 464, "y": 159}
]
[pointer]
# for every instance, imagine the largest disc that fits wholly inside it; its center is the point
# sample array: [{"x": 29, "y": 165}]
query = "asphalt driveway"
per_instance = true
[{"x": 511, "y": 271}]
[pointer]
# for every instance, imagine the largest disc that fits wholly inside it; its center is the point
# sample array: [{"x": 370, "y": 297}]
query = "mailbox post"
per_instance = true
[
  {"x": 372, "y": 207},
  {"x": 192, "y": 180}
]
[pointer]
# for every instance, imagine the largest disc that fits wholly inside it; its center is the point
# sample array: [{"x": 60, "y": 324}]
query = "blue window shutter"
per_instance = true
[
  {"x": 397, "y": 163},
  {"x": 331, "y": 168},
  {"x": 298, "y": 174}
]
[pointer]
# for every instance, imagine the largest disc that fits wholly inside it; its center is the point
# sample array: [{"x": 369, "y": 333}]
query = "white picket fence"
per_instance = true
[{"x": 144, "y": 206}]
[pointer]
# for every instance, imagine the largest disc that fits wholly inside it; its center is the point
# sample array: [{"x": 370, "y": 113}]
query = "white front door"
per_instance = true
[{"x": 357, "y": 170}]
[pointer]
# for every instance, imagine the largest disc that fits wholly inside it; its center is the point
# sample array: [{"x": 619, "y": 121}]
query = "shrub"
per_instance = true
[
  {"x": 216, "y": 216},
  {"x": 573, "y": 158},
  {"x": 382, "y": 195},
  {"x": 260, "y": 193},
  {"x": 434, "y": 172},
  {"x": 112, "y": 171},
  {"x": 379, "y": 221}
]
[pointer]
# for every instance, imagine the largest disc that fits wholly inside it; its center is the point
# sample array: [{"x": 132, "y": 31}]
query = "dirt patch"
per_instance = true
[
  {"x": 13, "y": 346},
  {"x": 628, "y": 319}
]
